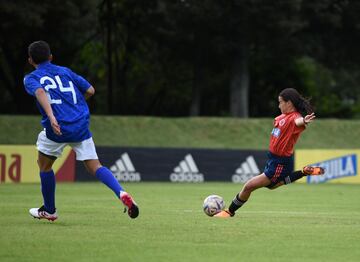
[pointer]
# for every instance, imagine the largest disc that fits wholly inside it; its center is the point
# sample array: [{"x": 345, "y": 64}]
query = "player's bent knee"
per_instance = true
[
  {"x": 92, "y": 166},
  {"x": 249, "y": 187},
  {"x": 45, "y": 168},
  {"x": 272, "y": 187}
]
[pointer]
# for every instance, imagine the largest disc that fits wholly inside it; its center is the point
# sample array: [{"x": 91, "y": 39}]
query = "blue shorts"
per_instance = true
[{"x": 278, "y": 167}]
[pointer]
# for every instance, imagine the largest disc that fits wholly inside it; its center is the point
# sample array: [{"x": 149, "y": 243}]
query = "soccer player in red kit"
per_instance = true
[{"x": 280, "y": 165}]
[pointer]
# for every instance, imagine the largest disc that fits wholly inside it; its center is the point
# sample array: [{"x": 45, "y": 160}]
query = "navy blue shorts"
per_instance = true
[{"x": 278, "y": 167}]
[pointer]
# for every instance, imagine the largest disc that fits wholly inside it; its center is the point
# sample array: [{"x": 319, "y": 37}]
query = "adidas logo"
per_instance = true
[
  {"x": 247, "y": 170},
  {"x": 336, "y": 168},
  {"x": 123, "y": 169},
  {"x": 187, "y": 171}
]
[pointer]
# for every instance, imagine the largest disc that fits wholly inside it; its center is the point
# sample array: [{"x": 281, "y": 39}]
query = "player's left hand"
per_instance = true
[{"x": 309, "y": 118}]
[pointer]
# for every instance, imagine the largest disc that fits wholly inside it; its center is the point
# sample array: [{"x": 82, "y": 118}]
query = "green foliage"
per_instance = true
[
  {"x": 168, "y": 56},
  {"x": 67, "y": 28},
  {"x": 323, "y": 84},
  {"x": 89, "y": 61},
  {"x": 307, "y": 223}
]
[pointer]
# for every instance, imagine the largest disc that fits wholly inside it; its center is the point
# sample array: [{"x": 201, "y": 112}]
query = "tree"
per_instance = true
[
  {"x": 187, "y": 57},
  {"x": 67, "y": 28}
]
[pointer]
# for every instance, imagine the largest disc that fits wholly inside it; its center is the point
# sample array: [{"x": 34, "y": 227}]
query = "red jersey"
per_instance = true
[{"x": 285, "y": 134}]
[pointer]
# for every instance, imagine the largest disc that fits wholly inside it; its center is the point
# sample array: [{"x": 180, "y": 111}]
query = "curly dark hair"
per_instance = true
[
  {"x": 301, "y": 104},
  {"x": 39, "y": 51}
]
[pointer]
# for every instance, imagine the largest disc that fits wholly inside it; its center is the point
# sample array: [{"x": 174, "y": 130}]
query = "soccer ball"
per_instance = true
[{"x": 213, "y": 204}]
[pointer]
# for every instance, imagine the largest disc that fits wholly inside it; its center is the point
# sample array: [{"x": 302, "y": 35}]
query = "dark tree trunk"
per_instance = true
[
  {"x": 197, "y": 90},
  {"x": 239, "y": 85},
  {"x": 109, "y": 55}
]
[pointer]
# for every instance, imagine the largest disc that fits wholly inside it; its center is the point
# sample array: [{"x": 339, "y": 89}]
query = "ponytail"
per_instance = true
[{"x": 301, "y": 104}]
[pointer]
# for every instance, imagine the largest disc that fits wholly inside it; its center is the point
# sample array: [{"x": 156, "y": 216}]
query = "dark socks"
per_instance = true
[
  {"x": 48, "y": 185},
  {"x": 293, "y": 177},
  {"x": 236, "y": 204}
]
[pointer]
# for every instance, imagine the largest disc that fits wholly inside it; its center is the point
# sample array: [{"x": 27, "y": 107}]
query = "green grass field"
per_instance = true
[{"x": 293, "y": 223}]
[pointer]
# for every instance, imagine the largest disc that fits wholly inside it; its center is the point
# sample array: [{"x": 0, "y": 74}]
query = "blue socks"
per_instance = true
[
  {"x": 48, "y": 190},
  {"x": 105, "y": 176},
  {"x": 48, "y": 185}
]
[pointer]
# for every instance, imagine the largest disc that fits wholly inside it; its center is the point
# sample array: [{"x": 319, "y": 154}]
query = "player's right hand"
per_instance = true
[{"x": 55, "y": 126}]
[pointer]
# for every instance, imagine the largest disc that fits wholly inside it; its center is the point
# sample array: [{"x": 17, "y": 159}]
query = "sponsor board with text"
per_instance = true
[
  {"x": 178, "y": 165},
  {"x": 341, "y": 166},
  {"x": 18, "y": 164}
]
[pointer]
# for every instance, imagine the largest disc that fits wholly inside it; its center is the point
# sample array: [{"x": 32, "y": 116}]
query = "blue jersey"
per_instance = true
[{"x": 65, "y": 91}]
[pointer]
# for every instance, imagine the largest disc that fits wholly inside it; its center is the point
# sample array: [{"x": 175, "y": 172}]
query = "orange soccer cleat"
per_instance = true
[
  {"x": 224, "y": 214},
  {"x": 313, "y": 170}
]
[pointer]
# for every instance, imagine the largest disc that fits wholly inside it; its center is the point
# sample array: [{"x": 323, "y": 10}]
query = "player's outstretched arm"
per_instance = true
[
  {"x": 303, "y": 121},
  {"x": 44, "y": 102}
]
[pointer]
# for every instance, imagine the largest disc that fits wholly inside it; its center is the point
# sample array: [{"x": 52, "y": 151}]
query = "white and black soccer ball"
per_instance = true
[{"x": 213, "y": 204}]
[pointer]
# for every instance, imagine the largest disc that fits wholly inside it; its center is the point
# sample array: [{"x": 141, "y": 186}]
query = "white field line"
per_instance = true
[{"x": 283, "y": 212}]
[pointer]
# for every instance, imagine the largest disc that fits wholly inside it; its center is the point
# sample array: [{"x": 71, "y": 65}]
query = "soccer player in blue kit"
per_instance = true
[{"x": 60, "y": 95}]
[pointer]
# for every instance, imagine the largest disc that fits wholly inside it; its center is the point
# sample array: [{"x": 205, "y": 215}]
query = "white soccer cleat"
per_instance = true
[{"x": 40, "y": 213}]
